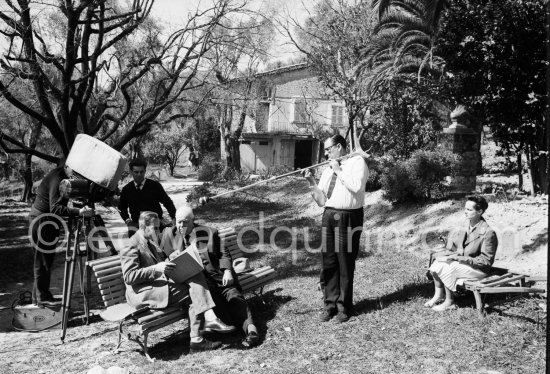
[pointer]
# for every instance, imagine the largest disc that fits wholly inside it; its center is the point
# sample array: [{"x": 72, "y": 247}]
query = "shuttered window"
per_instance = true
[
  {"x": 300, "y": 113},
  {"x": 337, "y": 117}
]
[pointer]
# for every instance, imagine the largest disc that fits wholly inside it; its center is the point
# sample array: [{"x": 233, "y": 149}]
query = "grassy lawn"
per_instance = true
[{"x": 391, "y": 333}]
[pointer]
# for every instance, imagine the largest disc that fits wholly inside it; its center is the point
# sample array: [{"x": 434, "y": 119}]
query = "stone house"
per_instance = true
[{"x": 292, "y": 111}]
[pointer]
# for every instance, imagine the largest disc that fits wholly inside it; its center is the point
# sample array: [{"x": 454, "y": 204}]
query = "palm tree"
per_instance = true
[{"x": 404, "y": 41}]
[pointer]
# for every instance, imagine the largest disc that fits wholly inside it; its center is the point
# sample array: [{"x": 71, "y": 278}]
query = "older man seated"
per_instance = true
[
  {"x": 147, "y": 273},
  {"x": 222, "y": 281}
]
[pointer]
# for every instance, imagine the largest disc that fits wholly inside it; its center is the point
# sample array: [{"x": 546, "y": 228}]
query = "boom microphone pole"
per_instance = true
[{"x": 203, "y": 200}]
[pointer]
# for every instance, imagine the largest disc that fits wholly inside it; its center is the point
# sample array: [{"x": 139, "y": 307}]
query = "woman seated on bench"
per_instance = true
[{"x": 474, "y": 248}]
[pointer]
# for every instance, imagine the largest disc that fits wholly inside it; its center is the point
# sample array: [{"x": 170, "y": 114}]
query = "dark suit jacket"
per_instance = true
[
  {"x": 149, "y": 198},
  {"x": 478, "y": 248},
  {"x": 144, "y": 286},
  {"x": 48, "y": 198},
  {"x": 214, "y": 259}
]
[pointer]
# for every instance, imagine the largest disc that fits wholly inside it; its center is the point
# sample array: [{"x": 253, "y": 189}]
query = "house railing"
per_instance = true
[{"x": 286, "y": 127}]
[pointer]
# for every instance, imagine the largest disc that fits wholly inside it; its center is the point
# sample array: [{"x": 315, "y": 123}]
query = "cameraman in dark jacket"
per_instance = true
[{"x": 46, "y": 218}]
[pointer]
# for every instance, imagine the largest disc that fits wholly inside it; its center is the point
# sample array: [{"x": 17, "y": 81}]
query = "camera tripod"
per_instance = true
[{"x": 77, "y": 254}]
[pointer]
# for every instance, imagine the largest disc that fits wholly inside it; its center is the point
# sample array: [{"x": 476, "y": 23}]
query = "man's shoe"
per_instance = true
[
  {"x": 204, "y": 345},
  {"x": 50, "y": 302},
  {"x": 326, "y": 315},
  {"x": 251, "y": 340},
  {"x": 342, "y": 317},
  {"x": 218, "y": 326}
]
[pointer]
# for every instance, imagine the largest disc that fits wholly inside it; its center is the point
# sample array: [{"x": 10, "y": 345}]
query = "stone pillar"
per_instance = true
[{"x": 462, "y": 141}]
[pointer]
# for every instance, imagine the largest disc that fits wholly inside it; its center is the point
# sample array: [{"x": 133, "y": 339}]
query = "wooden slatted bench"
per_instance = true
[
  {"x": 255, "y": 280},
  {"x": 108, "y": 273},
  {"x": 499, "y": 280}
]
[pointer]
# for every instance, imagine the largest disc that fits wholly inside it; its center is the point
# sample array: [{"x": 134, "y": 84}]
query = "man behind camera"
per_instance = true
[
  {"x": 142, "y": 195},
  {"x": 46, "y": 219}
]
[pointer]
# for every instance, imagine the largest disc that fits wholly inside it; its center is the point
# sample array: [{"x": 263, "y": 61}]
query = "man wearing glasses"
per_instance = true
[{"x": 341, "y": 191}]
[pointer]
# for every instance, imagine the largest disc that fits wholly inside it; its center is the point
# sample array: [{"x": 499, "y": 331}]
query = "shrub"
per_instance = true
[
  {"x": 197, "y": 192},
  {"x": 210, "y": 168},
  {"x": 422, "y": 177},
  {"x": 375, "y": 172}
]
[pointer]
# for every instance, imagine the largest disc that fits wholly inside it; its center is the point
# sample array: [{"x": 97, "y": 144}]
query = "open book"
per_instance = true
[{"x": 188, "y": 263}]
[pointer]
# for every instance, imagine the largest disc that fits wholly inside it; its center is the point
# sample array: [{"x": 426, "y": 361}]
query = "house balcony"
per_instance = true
[{"x": 286, "y": 127}]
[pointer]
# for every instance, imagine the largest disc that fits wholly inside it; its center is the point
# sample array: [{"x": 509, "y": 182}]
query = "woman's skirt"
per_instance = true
[{"x": 453, "y": 272}]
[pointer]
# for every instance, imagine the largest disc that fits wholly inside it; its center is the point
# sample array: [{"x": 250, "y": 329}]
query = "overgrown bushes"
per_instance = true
[
  {"x": 210, "y": 168},
  {"x": 420, "y": 177},
  {"x": 199, "y": 191}
]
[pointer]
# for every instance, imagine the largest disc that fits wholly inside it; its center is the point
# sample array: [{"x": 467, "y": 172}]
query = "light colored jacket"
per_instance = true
[
  {"x": 478, "y": 247},
  {"x": 144, "y": 286}
]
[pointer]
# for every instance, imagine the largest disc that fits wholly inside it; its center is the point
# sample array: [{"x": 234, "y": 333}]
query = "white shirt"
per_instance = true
[
  {"x": 139, "y": 186},
  {"x": 349, "y": 190}
]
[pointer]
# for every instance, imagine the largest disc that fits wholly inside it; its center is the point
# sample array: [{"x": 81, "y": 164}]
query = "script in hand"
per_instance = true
[{"x": 188, "y": 264}]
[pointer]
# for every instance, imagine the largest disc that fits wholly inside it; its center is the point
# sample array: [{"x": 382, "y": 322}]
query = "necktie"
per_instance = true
[
  {"x": 331, "y": 185},
  {"x": 154, "y": 251}
]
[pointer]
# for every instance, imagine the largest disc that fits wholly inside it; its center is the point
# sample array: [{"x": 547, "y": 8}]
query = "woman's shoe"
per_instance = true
[
  {"x": 443, "y": 307},
  {"x": 431, "y": 303}
]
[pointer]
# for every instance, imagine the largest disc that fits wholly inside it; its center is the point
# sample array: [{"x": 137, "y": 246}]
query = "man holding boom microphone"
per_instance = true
[{"x": 341, "y": 191}]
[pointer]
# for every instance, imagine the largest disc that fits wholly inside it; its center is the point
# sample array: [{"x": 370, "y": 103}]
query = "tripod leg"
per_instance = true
[
  {"x": 70, "y": 260},
  {"x": 84, "y": 276}
]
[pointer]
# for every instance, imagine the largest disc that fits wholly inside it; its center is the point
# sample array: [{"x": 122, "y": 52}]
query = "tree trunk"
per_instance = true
[
  {"x": 520, "y": 171},
  {"x": 234, "y": 141},
  {"x": 530, "y": 169},
  {"x": 26, "y": 175},
  {"x": 235, "y": 154},
  {"x": 539, "y": 175},
  {"x": 226, "y": 146}
]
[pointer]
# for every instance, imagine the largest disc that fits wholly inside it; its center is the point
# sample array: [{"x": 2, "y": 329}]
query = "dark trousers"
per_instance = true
[
  {"x": 342, "y": 232},
  {"x": 231, "y": 306},
  {"x": 45, "y": 231}
]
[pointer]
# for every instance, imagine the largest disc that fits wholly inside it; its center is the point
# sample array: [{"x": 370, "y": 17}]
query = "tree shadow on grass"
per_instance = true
[
  {"x": 402, "y": 211},
  {"x": 237, "y": 208},
  {"x": 421, "y": 290},
  {"x": 173, "y": 346},
  {"x": 425, "y": 290},
  {"x": 407, "y": 292},
  {"x": 541, "y": 240}
]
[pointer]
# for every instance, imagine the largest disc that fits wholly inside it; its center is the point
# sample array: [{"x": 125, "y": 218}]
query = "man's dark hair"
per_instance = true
[
  {"x": 339, "y": 139},
  {"x": 481, "y": 203},
  {"x": 137, "y": 162}
]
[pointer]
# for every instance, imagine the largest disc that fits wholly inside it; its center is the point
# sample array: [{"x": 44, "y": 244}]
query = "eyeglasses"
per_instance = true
[{"x": 327, "y": 149}]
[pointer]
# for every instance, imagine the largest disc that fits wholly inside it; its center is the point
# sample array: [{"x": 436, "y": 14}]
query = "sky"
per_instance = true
[{"x": 174, "y": 12}]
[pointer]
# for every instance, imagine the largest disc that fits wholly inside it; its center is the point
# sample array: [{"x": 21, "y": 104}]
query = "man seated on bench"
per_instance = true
[
  {"x": 474, "y": 252},
  {"x": 146, "y": 275},
  {"x": 222, "y": 281}
]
